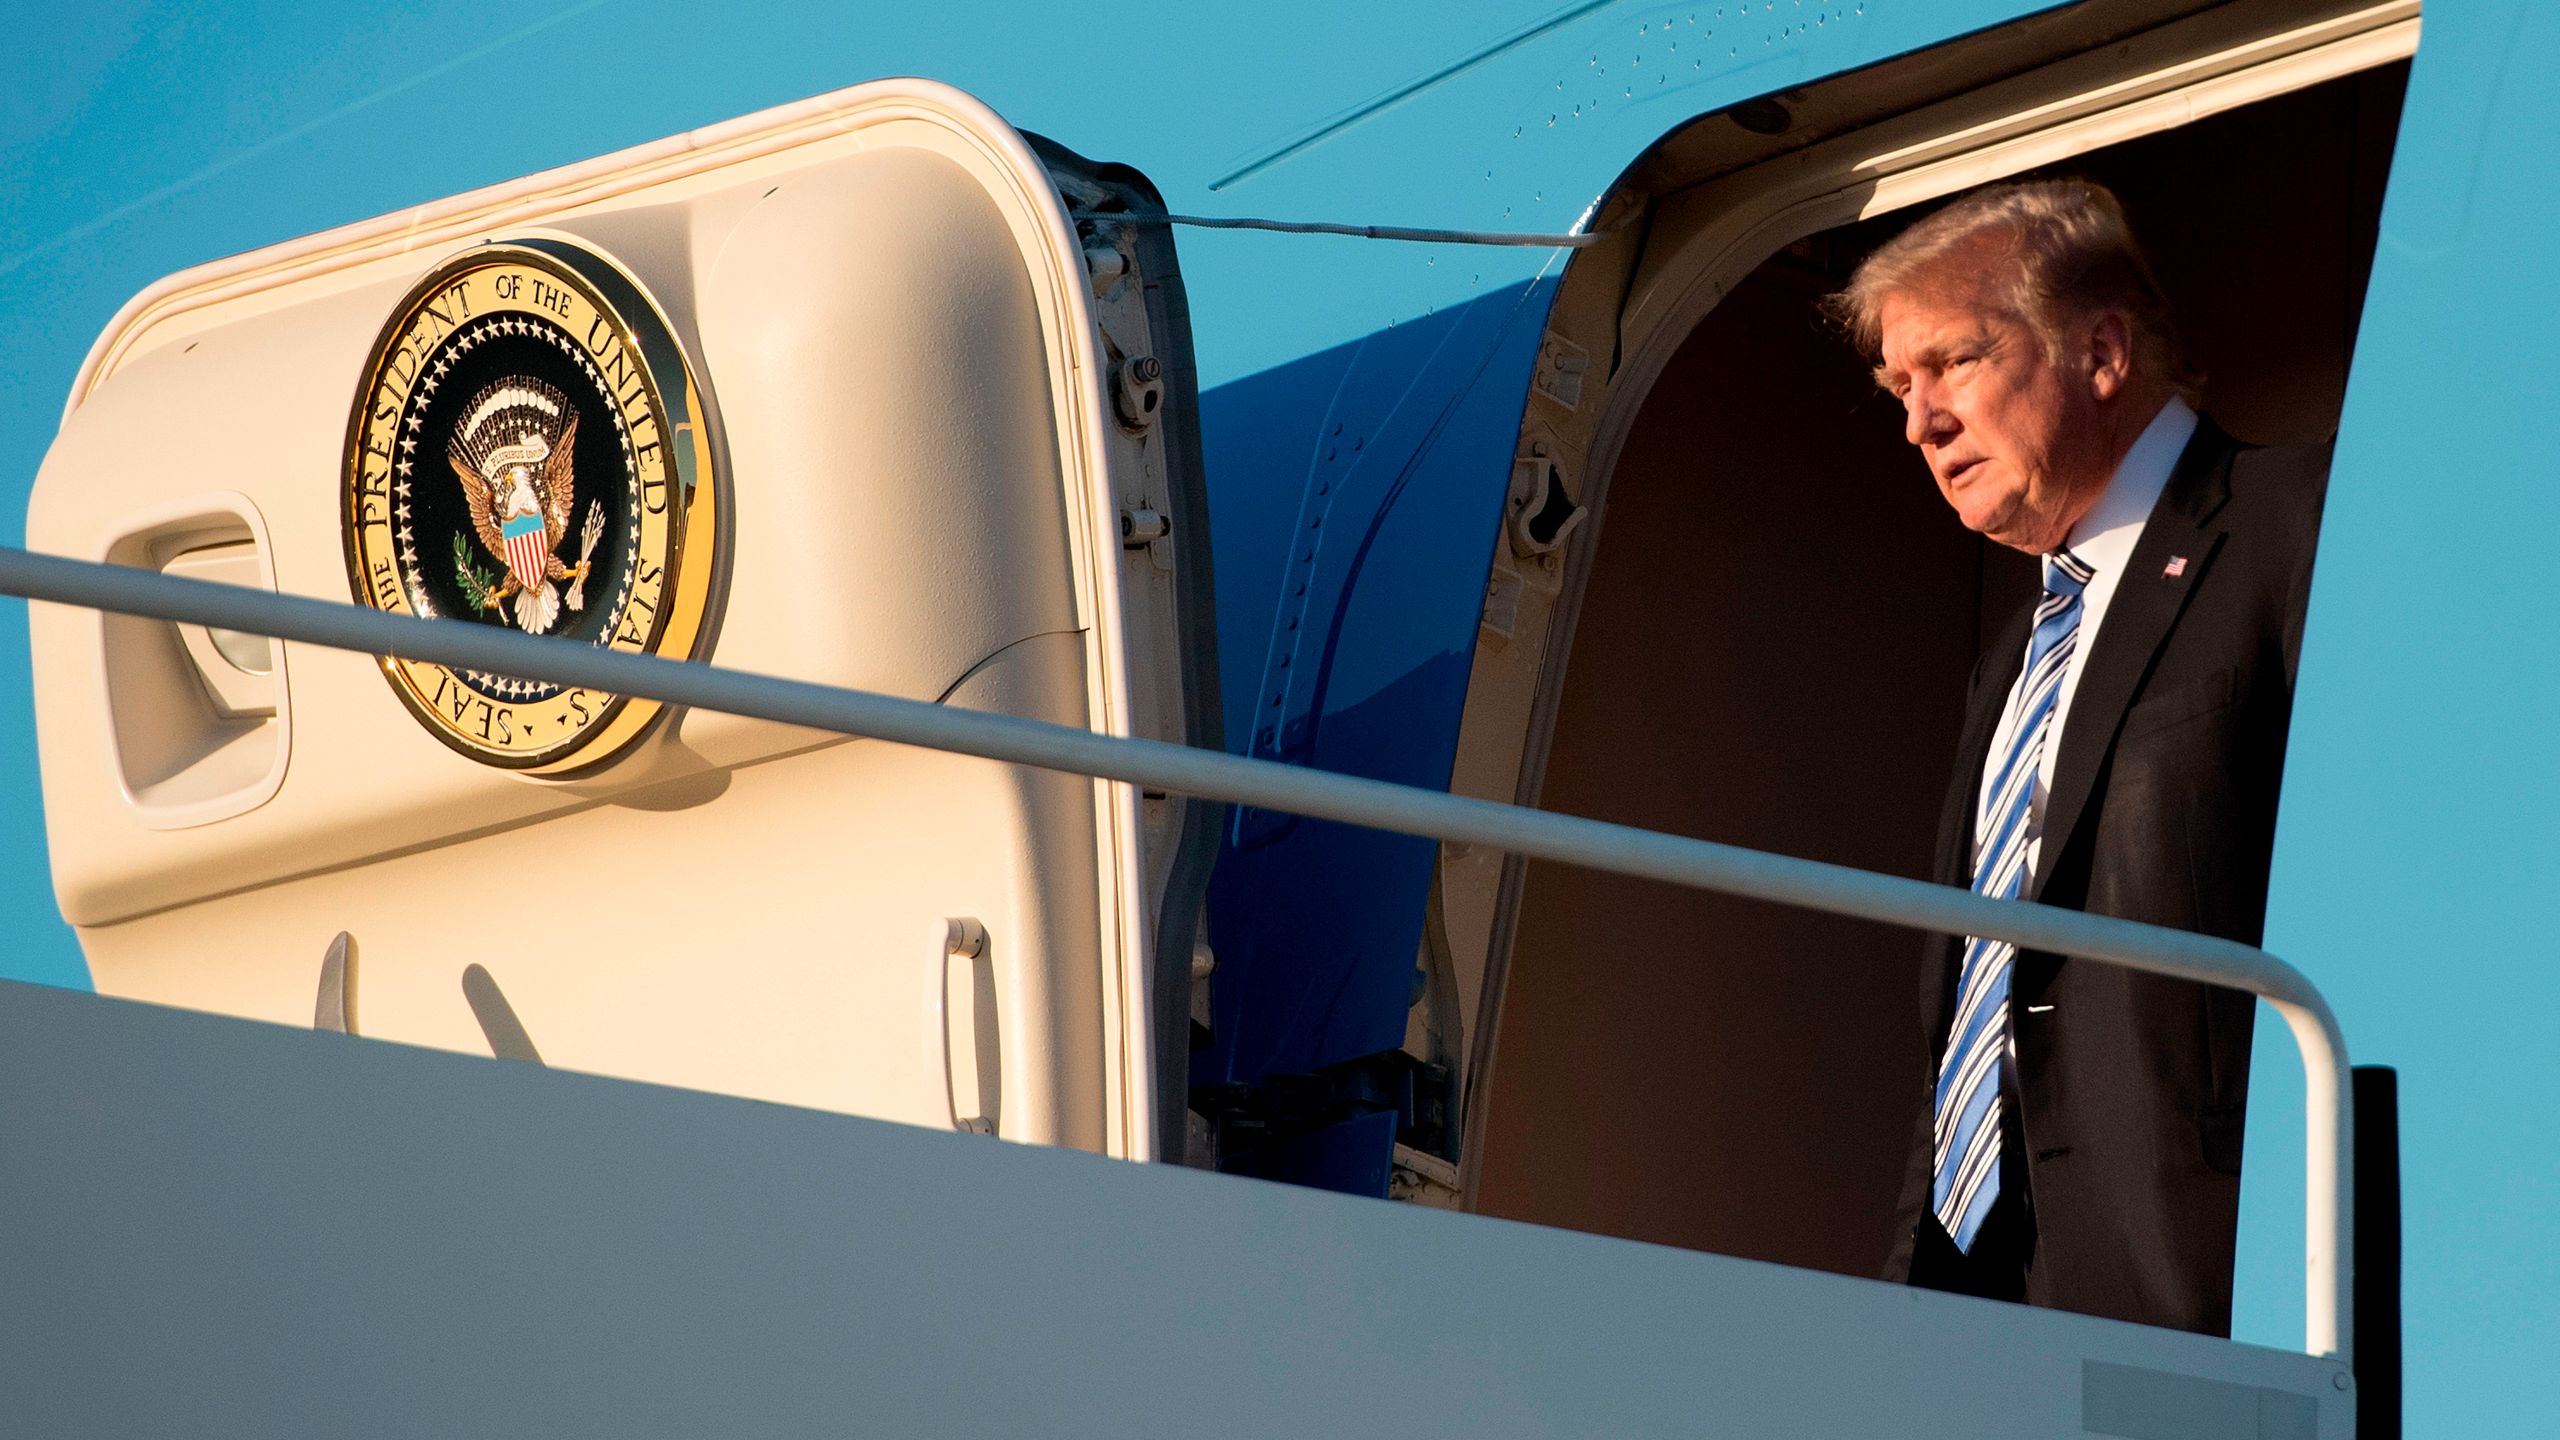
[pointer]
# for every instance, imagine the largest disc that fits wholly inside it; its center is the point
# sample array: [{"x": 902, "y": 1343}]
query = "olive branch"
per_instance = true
[{"x": 477, "y": 588}]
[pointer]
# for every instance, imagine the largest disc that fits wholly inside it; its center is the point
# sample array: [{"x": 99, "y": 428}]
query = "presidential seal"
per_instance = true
[{"x": 527, "y": 451}]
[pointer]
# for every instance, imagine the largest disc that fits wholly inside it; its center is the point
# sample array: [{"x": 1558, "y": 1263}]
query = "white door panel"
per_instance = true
[{"x": 914, "y": 483}]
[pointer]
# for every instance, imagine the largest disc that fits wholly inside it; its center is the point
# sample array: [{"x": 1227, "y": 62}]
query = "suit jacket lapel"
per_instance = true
[{"x": 2147, "y": 603}]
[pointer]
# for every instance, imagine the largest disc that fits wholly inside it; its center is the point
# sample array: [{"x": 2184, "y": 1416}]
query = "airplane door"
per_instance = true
[{"x": 867, "y": 390}]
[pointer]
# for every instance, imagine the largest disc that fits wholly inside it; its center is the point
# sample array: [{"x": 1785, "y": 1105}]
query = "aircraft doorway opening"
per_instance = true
[{"x": 1771, "y": 630}]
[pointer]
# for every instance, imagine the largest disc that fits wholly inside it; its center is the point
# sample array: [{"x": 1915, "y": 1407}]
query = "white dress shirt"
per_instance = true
[{"x": 2104, "y": 541}]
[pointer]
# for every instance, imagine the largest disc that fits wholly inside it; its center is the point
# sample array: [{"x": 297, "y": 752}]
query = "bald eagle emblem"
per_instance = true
[{"x": 514, "y": 452}]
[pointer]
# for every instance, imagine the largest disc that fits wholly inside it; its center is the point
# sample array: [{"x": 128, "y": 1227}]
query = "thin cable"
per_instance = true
[
  {"x": 1521, "y": 239},
  {"x": 1379, "y": 104}
]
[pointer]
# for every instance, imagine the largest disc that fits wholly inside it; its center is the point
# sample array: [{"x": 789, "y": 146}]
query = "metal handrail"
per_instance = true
[{"x": 1215, "y": 775}]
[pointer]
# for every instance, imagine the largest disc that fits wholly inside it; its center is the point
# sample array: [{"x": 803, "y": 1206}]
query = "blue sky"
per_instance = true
[{"x": 139, "y": 139}]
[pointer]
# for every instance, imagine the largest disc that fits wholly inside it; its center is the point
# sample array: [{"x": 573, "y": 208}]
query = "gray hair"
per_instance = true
[{"x": 2053, "y": 251}]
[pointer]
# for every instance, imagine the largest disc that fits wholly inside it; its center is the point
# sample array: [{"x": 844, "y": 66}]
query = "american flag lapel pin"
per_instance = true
[{"x": 2176, "y": 567}]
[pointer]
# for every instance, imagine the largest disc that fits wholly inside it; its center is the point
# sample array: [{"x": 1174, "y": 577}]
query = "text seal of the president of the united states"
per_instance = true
[{"x": 527, "y": 451}]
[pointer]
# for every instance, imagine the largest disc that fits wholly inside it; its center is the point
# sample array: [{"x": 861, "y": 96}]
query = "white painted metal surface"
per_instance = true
[
  {"x": 222, "y": 1229},
  {"x": 931, "y": 512}
]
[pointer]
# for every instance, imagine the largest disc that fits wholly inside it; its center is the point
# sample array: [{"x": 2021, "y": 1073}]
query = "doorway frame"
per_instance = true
[{"x": 1626, "y": 305}]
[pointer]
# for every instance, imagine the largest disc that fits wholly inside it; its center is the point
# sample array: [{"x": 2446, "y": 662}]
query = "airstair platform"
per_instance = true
[{"x": 217, "y": 1227}]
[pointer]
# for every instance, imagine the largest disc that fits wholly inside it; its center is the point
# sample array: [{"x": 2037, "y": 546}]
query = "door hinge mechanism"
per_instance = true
[
  {"x": 1138, "y": 392},
  {"x": 1141, "y": 527}
]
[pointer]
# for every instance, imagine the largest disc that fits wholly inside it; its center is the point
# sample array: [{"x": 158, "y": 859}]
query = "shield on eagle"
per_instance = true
[
  {"x": 514, "y": 452},
  {"x": 526, "y": 548}
]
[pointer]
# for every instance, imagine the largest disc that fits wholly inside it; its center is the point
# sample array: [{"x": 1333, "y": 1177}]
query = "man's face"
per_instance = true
[{"x": 2013, "y": 439}]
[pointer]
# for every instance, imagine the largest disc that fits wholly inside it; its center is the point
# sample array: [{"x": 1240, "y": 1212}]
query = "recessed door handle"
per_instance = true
[{"x": 965, "y": 997}]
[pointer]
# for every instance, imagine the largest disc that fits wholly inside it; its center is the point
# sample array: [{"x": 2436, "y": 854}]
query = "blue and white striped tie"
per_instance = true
[{"x": 1967, "y": 1174}]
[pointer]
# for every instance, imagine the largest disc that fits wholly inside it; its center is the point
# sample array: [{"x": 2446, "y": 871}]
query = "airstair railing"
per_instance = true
[{"x": 1268, "y": 785}]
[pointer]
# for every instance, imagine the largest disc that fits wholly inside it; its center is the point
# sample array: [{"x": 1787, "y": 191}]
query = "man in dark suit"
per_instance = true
[{"x": 2079, "y": 1135}]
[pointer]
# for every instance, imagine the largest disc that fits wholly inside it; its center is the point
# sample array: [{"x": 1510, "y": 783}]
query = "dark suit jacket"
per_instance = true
[{"x": 2162, "y": 810}]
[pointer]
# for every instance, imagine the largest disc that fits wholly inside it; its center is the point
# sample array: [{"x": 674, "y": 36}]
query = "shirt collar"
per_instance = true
[{"x": 2105, "y": 537}]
